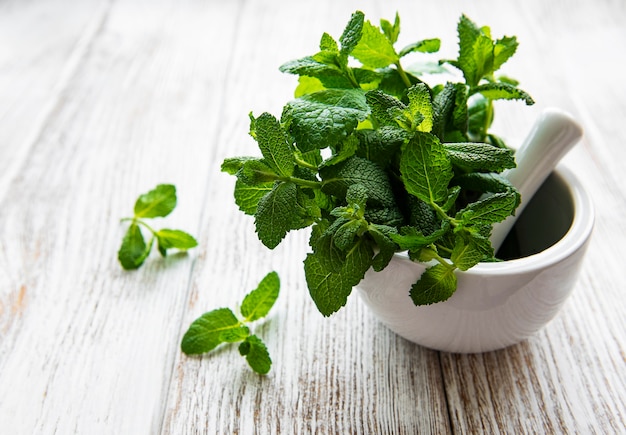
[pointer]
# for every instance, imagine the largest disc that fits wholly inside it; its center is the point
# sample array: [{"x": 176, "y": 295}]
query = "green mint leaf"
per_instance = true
[
  {"x": 343, "y": 151},
  {"x": 346, "y": 233},
  {"x": 306, "y": 210},
  {"x": 274, "y": 214},
  {"x": 325, "y": 117},
  {"x": 338, "y": 178},
  {"x": 483, "y": 57},
  {"x": 330, "y": 289},
  {"x": 326, "y": 251},
  {"x": 177, "y": 239},
  {"x": 256, "y": 171},
  {"x": 273, "y": 143},
  {"x": 134, "y": 250},
  {"x": 210, "y": 330},
  {"x": 468, "y": 33},
  {"x": 436, "y": 284},
  {"x": 380, "y": 145},
  {"x": 480, "y": 117},
  {"x": 391, "y": 31},
  {"x": 487, "y": 182},
  {"x": 423, "y": 46},
  {"x": 476, "y": 58},
  {"x": 420, "y": 107},
  {"x": 352, "y": 33},
  {"x": 374, "y": 49},
  {"x": 503, "y": 91},
  {"x": 443, "y": 104},
  {"x": 382, "y": 106},
  {"x": 256, "y": 354},
  {"x": 503, "y": 50},
  {"x": 480, "y": 156},
  {"x": 308, "y": 66},
  {"x": 382, "y": 235},
  {"x": 159, "y": 202},
  {"x": 422, "y": 215},
  {"x": 328, "y": 75},
  {"x": 247, "y": 196},
  {"x": 390, "y": 216},
  {"x": 492, "y": 209},
  {"x": 426, "y": 169},
  {"x": 328, "y": 43},
  {"x": 460, "y": 116},
  {"x": 412, "y": 238},
  {"x": 259, "y": 301},
  {"x": 470, "y": 249},
  {"x": 232, "y": 165}
]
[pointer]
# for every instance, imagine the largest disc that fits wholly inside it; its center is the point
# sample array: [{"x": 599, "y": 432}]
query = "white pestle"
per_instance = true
[{"x": 554, "y": 133}]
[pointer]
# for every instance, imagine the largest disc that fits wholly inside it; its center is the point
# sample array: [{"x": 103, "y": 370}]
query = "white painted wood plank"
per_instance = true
[
  {"x": 86, "y": 347},
  {"x": 41, "y": 45}
]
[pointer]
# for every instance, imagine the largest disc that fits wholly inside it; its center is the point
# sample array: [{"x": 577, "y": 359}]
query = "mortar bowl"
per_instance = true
[{"x": 501, "y": 303}]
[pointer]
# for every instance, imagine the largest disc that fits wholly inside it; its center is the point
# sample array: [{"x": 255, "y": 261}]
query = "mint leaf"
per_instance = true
[
  {"x": 256, "y": 171},
  {"x": 352, "y": 33},
  {"x": 256, "y": 354},
  {"x": 420, "y": 107},
  {"x": 247, "y": 196},
  {"x": 503, "y": 50},
  {"x": 258, "y": 302},
  {"x": 177, "y": 239},
  {"x": 328, "y": 74},
  {"x": 503, "y": 91},
  {"x": 374, "y": 49},
  {"x": 338, "y": 178},
  {"x": 210, "y": 330},
  {"x": 487, "y": 182},
  {"x": 382, "y": 235},
  {"x": 425, "y": 168},
  {"x": 134, "y": 250},
  {"x": 159, "y": 202},
  {"x": 493, "y": 209},
  {"x": 383, "y": 106},
  {"x": 468, "y": 250},
  {"x": 273, "y": 143},
  {"x": 234, "y": 164},
  {"x": 391, "y": 31},
  {"x": 274, "y": 215},
  {"x": 423, "y": 46},
  {"x": 325, "y": 117},
  {"x": 330, "y": 289},
  {"x": 380, "y": 145},
  {"x": 412, "y": 238},
  {"x": 436, "y": 284},
  {"x": 480, "y": 156}
]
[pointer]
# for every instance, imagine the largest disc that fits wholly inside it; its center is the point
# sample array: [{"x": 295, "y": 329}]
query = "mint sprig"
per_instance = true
[
  {"x": 159, "y": 202},
  {"x": 223, "y": 326},
  {"x": 377, "y": 161}
]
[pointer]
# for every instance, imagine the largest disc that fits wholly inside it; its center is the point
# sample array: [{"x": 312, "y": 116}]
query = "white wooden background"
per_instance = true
[{"x": 101, "y": 100}]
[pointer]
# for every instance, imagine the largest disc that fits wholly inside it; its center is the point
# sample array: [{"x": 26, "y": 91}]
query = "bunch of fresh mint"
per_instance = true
[{"x": 378, "y": 161}]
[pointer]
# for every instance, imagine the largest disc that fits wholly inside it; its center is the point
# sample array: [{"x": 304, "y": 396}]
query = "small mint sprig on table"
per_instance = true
[
  {"x": 159, "y": 202},
  {"x": 223, "y": 326}
]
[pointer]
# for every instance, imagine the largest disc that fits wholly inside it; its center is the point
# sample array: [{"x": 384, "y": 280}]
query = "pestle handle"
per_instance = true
[{"x": 554, "y": 133}]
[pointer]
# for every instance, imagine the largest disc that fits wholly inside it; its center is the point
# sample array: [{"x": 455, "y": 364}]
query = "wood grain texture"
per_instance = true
[{"x": 101, "y": 100}]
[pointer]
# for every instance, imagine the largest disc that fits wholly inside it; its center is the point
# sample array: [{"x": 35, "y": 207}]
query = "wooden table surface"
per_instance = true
[{"x": 102, "y": 100}]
